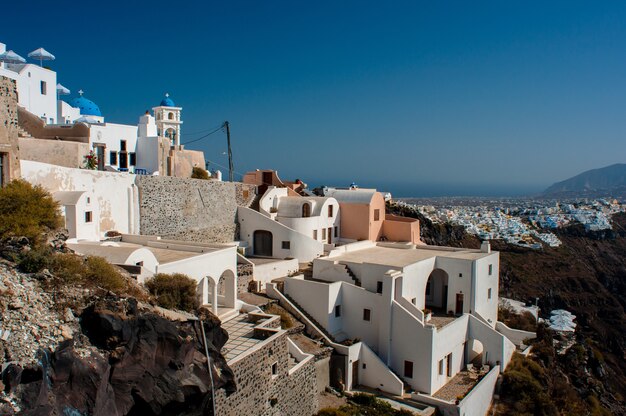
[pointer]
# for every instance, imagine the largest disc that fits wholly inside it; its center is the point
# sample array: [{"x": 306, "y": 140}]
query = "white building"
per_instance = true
[
  {"x": 212, "y": 266},
  {"x": 81, "y": 213},
  {"x": 36, "y": 87},
  {"x": 290, "y": 226},
  {"x": 427, "y": 312}
]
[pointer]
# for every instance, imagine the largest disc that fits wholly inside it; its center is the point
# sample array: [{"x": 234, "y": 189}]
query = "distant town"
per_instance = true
[{"x": 522, "y": 222}]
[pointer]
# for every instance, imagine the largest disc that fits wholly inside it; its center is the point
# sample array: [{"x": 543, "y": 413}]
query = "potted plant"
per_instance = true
[{"x": 427, "y": 314}]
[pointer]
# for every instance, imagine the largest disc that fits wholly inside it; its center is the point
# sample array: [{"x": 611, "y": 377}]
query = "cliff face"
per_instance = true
[{"x": 120, "y": 357}]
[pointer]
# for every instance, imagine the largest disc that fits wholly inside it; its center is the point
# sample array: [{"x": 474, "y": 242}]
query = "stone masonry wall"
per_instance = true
[
  {"x": 244, "y": 277},
  {"x": 260, "y": 393},
  {"x": 8, "y": 127},
  {"x": 191, "y": 209}
]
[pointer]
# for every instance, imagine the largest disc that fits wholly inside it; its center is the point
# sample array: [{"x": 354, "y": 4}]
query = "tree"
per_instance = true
[{"x": 27, "y": 210}]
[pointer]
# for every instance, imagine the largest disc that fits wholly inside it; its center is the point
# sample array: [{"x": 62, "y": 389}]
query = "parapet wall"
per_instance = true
[{"x": 191, "y": 209}]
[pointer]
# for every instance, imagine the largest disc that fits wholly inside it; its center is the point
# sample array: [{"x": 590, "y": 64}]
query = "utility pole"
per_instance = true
[{"x": 230, "y": 153}]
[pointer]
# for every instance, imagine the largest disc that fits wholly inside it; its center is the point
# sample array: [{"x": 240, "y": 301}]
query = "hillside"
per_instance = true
[
  {"x": 586, "y": 275},
  {"x": 610, "y": 180}
]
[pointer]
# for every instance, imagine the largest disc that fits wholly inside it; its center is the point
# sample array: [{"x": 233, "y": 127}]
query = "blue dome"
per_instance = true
[
  {"x": 167, "y": 102},
  {"x": 87, "y": 107}
]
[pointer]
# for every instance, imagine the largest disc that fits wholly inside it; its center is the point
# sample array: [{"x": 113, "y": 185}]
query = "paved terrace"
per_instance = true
[
  {"x": 459, "y": 385},
  {"x": 240, "y": 337},
  {"x": 400, "y": 258}
]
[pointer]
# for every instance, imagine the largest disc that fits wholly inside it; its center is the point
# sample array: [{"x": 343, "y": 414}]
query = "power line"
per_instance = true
[
  {"x": 203, "y": 130},
  {"x": 206, "y": 135}
]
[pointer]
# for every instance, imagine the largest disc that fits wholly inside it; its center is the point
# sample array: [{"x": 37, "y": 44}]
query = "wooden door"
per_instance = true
[
  {"x": 355, "y": 374},
  {"x": 263, "y": 243},
  {"x": 329, "y": 235},
  {"x": 459, "y": 303}
]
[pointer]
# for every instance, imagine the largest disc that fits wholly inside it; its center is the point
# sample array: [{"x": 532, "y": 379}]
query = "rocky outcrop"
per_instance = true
[{"x": 126, "y": 360}]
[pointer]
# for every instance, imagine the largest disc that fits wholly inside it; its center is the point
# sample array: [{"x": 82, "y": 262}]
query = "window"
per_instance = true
[
  {"x": 337, "y": 311},
  {"x": 88, "y": 216},
  {"x": 336, "y": 232},
  {"x": 286, "y": 245},
  {"x": 112, "y": 158},
  {"x": 460, "y": 274},
  {"x": 123, "y": 160},
  {"x": 490, "y": 269},
  {"x": 489, "y": 293},
  {"x": 408, "y": 369},
  {"x": 379, "y": 287},
  {"x": 414, "y": 301},
  {"x": 132, "y": 159},
  {"x": 376, "y": 215},
  {"x": 170, "y": 116},
  {"x": 449, "y": 364},
  {"x": 88, "y": 200},
  {"x": 440, "y": 367},
  {"x": 323, "y": 233},
  {"x": 44, "y": 88},
  {"x": 367, "y": 314},
  {"x": 123, "y": 145},
  {"x": 275, "y": 369},
  {"x": 306, "y": 210},
  {"x": 364, "y": 366},
  {"x": 330, "y": 211},
  {"x": 314, "y": 234}
]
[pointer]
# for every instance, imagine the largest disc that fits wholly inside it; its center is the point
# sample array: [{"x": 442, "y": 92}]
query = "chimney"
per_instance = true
[{"x": 485, "y": 247}]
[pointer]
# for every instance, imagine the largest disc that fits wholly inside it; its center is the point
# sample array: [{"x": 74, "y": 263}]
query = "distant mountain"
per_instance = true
[{"x": 610, "y": 180}]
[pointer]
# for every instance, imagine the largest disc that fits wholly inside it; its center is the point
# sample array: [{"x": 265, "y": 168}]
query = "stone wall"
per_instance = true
[
  {"x": 263, "y": 394},
  {"x": 8, "y": 129},
  {"x": 191, "y": 209},
  {"x": 244, "y": 277}
]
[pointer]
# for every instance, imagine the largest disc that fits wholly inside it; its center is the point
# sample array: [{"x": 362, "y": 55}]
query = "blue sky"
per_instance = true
[{"x": 420, "y": 98}]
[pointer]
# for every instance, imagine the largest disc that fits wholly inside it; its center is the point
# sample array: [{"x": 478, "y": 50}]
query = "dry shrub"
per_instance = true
[
  {"x": 174, "y": 291},
  {"x": 199, "y": 173},
  {"x": 103, "y": 274},
  {"x": 286, "y": 320},
  {"x": 524, "y": 321},
  {"x": 27, "y": 210}
]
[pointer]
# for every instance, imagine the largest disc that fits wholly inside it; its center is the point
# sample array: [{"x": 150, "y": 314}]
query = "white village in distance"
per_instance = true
[{"x": 385, "y": 313}]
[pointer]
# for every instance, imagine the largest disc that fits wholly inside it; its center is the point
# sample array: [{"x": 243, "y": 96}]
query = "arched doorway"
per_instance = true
[
  {"x": 227, "y": 289},
  {"x": 306, "y": 210},
  {"x": 262, "y": 243},
  {"x": 437, "y": 291}
]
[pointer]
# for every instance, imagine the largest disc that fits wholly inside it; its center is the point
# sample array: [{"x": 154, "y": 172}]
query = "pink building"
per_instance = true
[{"x": 363, "y": 217}]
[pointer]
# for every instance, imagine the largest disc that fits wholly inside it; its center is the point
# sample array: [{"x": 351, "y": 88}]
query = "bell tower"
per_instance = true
[{"x": 168, "y": 120}]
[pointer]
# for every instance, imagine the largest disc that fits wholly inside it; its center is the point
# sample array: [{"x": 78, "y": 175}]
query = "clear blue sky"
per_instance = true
[{"x": 421, "y": 98}]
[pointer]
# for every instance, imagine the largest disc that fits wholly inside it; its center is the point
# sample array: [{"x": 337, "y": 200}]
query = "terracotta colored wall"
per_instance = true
[
  {"x": 376, "y": 227},
  {"x": 401, "y": 229},
  {"x": 181, "y": 162},
  {"x": 55, "y": 152},
  {"x": 36, "y": 127},
  {"x": 355, "y": 219}
]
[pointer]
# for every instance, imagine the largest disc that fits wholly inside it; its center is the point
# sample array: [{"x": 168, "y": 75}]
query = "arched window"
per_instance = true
[
  {"x": 306, "y": 210},
  {"x": 170, "y": 116}
]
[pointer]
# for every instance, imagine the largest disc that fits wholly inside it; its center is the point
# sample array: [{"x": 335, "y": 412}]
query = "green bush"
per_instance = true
[
  {"x": 34, "y": 260},
  {"x": 27, "y": 210},
  {"x": 103, "y": 274},
  {"x": 68, "y": 268},
  {"x": 174, "y": 291},
  {"x": 199, "y": 173}
]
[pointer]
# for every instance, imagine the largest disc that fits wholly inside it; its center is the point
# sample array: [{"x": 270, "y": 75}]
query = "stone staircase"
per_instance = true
[
  {"x": 23, "y": 133},
  {"x": 309, "y": 317},
  {"x": 357, "y": 281}
]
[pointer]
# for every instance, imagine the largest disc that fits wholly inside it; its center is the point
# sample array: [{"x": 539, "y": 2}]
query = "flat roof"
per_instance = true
[
  {"x": 113, "y": 250},
  {"x": 398, "y": 257}
]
